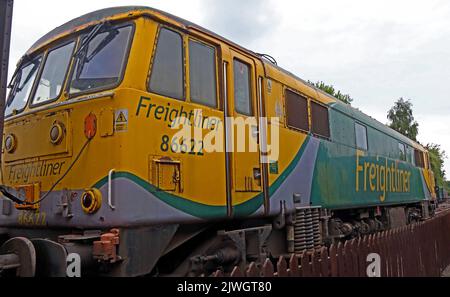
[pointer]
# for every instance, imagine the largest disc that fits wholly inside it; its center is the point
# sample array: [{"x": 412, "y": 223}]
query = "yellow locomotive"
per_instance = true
[{"x": 93, "y": 161}]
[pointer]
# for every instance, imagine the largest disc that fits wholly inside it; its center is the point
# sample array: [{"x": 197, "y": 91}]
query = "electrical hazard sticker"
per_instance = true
[{"x": 121, "y": 120}]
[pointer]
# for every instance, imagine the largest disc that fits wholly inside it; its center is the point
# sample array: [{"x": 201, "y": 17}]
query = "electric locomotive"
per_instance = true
[{"x": 94, "y": 165}]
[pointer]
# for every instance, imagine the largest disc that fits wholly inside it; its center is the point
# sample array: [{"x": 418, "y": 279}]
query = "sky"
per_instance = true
[{"x": 376, "y": 50}]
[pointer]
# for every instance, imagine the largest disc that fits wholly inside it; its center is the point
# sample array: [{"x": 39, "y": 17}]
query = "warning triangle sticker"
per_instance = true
[{"x": 121, "y": 118}]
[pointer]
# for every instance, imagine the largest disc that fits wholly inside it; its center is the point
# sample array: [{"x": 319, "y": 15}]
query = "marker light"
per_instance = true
[
  {"x": 10, "y": 143},
  {"x": 90, "y": 126},
  {"x": 91, "y": 201}
]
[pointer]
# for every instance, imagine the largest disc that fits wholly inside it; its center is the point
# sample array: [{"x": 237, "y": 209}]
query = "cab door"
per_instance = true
[{"x": 242, "y": 106}]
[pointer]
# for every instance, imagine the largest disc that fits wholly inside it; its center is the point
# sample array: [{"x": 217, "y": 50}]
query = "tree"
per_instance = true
[
  {"x": 329, "y": 89},
  {"x": 402, "y": 119},
  {"x": 437, "y": 156}
]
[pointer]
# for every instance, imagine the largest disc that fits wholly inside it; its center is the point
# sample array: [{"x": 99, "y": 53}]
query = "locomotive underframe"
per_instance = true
[{"x": 195, "y": 249}]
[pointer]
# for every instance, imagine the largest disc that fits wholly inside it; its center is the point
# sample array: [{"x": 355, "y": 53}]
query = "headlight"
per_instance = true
[
  {"x": 10, "y": 143},
  {"x": 56, "y": 133}
]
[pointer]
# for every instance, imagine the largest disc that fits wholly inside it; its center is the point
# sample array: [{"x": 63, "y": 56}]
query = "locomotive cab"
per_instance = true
[{"x": 63, "y": 119}]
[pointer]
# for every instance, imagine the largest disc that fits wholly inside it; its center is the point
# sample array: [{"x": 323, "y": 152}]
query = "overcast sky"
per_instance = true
[{"x": 376, "y": 51}]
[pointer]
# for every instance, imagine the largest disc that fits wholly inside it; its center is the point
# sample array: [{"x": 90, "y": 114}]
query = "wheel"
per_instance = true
[{"x": 26, "y": 253}]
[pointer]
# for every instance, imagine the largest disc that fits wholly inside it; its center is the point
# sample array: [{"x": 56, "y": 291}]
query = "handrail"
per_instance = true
[{"x": 110, "y": 174}]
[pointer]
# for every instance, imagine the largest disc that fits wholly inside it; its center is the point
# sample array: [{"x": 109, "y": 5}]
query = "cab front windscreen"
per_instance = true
[
  {"x": 101, "y": 61},
  {"x": 21, "y": 85},
  {"x": 98, "y": 63}
]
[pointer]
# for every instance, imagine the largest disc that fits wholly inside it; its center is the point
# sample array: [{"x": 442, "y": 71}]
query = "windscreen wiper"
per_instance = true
[
  {"x": 111, "y": 35},
  {"x": 30, "y": 74},
  {"x": 81, "y": 53},
  {"x": 15, "y": 83},
  {"x": 22, "y": 61},
  {"x": 88, "y": 38}
]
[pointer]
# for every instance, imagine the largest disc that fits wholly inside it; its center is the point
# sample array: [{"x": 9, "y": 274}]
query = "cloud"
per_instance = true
[{"x": 242, "y": 21}]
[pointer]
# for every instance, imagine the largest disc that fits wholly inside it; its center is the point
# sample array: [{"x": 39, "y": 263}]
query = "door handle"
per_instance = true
[{"x": 256, "y": 173}]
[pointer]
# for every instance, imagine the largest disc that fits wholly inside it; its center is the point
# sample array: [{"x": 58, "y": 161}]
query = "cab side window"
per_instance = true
[
  {"x": 242, "y": 88},
  {"x": 167, "y": 76},
  {"x": 202, "y": 73}
]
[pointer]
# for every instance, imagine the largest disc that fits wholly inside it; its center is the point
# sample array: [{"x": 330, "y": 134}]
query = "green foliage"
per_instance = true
[
  {"x": 329, "y": 89},
  {"x": 437, "y": 156},
  {"x": 402, "y": 119}
]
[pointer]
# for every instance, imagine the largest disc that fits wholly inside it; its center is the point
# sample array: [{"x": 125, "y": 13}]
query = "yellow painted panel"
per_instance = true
[
  {"x": 106, "y": 122},
  {"x": 33, "y": 136}
]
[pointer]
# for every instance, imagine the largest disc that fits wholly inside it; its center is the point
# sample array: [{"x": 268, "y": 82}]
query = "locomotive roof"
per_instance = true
[
  {"x": 94, "y": 17},
  {"x": 130, "y": 11}
]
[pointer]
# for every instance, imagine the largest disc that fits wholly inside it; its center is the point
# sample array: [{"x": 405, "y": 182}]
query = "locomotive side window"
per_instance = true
[
  {"x": 21, "y": 85},
  {"x": 402, "y": 151},
  {"x": 167, "y": 77},
  {"x": 54, "y": 74},
  {"x": 320, "y": 121},
  {"x": 411, "y": 155},
  {"x": 202, "y": 73},
  {"x": 101, "y": 62},
  {"x": 361, "y": 136},
  {"x": 418, "y": 158},
  {"x": 296, "y": 111},
  {"x": 242, "y": 88}
]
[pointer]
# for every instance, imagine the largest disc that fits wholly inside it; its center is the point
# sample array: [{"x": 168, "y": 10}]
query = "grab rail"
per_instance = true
[{"x": 110, "y": 174}]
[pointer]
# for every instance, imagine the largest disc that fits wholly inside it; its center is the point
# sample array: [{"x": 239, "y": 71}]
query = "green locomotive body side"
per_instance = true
[{"x": 348, "y": 177}]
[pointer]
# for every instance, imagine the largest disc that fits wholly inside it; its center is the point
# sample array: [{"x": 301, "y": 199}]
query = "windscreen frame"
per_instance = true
[{"x": 123, "y": 66}]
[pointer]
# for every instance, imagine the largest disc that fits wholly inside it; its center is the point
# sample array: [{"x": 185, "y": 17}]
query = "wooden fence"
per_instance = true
[{"x": 421, "y": 249}]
